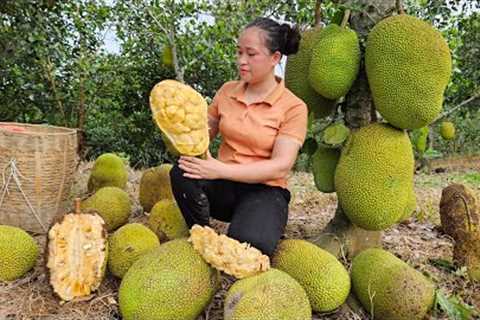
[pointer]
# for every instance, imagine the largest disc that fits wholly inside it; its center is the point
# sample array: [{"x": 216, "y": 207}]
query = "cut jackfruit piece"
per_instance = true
[{"x": 228, "y": 255}]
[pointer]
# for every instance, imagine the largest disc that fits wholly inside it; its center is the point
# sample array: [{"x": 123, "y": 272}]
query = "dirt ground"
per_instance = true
[{"x": 419, "y": 242}]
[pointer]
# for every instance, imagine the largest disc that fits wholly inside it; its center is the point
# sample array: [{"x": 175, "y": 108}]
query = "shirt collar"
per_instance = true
[{"x": 238, "y": 92}]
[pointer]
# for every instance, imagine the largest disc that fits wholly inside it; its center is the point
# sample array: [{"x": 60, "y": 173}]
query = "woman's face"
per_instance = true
[{"x": 254, "y": 60}]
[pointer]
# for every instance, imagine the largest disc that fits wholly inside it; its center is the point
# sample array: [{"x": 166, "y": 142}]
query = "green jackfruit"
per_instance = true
[
  {"x": 272, "y": 295},
  {"x": 127, "y": 244},
  {"x": 374, "y": 176},
  {"x": 411, "y": 205},
  {"x": 323, "y": 277},
  {"x": 389, "y": 288},
  {"x": 167, "y": 221},
  {"x": 324, "y": 162},
  {"x": 420, "y": 138},
  {"x": 155, "y": 185},
  {"x": 447, "y": 130},
  {"x": 296, "y": 76},
  {"x": 171, "y": 282},
  {"x": 108, "y": 171},
  {"x": 18, "y": 253},
  {"x": 408, "y": 66},
  {"x": 335, "y": 62},
  {"x": 112, "y": 204}
]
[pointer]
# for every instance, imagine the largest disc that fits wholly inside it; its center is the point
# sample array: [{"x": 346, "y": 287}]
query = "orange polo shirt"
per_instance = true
[{"x": 249, "y": 131}]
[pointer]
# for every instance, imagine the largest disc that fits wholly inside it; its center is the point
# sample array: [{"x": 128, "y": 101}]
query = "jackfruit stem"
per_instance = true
[
  {"x": 399, "y": 4},
  {"x": 318, "y": 13},
  {"x": 346, "y": 16},
  {"x": 77, "y": 205}
]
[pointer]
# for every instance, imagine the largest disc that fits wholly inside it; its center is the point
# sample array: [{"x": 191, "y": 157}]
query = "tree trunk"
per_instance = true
[{"x": 341, "y": 237}]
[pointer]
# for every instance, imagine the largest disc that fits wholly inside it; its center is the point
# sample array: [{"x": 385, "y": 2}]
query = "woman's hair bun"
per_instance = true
[{"x": 292, "y": 39}]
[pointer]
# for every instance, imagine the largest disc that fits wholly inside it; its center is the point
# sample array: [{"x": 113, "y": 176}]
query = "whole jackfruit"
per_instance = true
[
  {"x": 154, "y": 186},
  {"x": 323, "y": 277},
  {"x": 420, "y": 138},
  {"x": 77, "y": 254},
  {"x": 169, "y": 283},
  {"x": 335, "y": 61},
  {"x": 408, "y": 66},
  {"x": 411, "y": 205},
  {"x": 18, "y": 253},
  {"x": 108, "y": 171},
  {"x": 324, "y": 162},
  {"x": 390, "y": 289},
  {"x": 447, "y": 130},
  {"x": 374, "y": 176},
  {"x": 167, "y": 221},
  {"x": 181, "y": 114},
  {"x": 272, "y": 295},
  {"x": 296, "y": 76},
  {"x": 466, "y": 252},
  {"x": 112, "y": 204},
  {"x": 127, "y": 244}
]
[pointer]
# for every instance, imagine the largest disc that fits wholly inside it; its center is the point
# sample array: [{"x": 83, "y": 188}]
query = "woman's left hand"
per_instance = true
[{"x": 196, "y": 168}]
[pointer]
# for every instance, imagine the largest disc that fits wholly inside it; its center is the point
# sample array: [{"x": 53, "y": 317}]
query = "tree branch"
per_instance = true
[
  {"x": 51, "y": 79},
  {"x": 346, "y": 16},
  {"x": 461, "y": 104}
]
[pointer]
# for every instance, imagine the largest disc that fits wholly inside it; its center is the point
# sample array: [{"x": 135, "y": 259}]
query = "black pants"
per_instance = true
[{"x": 257, "y": 213}]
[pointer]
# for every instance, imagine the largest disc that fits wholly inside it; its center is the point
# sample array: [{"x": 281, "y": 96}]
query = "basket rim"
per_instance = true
[{"x": 67, "y": 131}]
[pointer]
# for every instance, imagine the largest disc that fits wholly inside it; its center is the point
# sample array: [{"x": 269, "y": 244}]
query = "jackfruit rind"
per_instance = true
[
  {"x": 272, "y": 295},
  {"x": 335, "y": 62},
  {"x": 127, "y": 244},
  {"x": 296, "y": 76},
  {"x": 411, "y": 204},
  {"x": 374, "y": 175},
  {"x": 323, "y": 277},
  {"x": 166, "y": 220},
  {"x": 181, "y": 114},
  {"x": 109, "y": 170},
  {"x": 447, "y": 130},
  {"x": 18, "y": 253},
  {"x": 155, "y": 186},
  {"x": 324, "y": 163},
  {"x": 408, "y": 65},
  {"x": 390, "y": 289},
  {"x": 228, "y": 255},
  {"x": 171, "y": 282},
  {"x": 112, "y": 204},
  {"x": 466, "y": 252},
  {"x": 77, "y": 254}
]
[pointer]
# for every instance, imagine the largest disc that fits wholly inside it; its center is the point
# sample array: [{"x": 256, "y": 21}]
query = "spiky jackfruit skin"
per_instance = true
[
  {"x": 374, "y": 176},
  {"x": 335, "y": 62},
  {"x": 127, "y": 244},
  {"x": 108, "y": 171},
  {"x": 112, "y": 204},
  {"x": 447, "y": 130},
  {"x": 411, "y": 205},
  {"x": 389, "y": 288},
  {"x": 466, "y": 252},
  {"x": 18, "y": 253},
  {"x": 323, "y": 277},
  {"x": 324, "y": 163},
  {"x": 167, "y": 221},
  {"x": 155, "y": 185},
  {"x": 408, "y": 65},
  {"x": 296, "y": 76},
  {"x": 169, "y": 283},
  {"x": 272, "y": 295}
]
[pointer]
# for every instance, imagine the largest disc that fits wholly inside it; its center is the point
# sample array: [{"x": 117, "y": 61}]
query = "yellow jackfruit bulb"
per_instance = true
[
  {"x": 127, "y": 244},
  {"x": 112, "y": 204},
  {"x": 77, "y": 254},
  {"x": 181, "y": 114},
  {"x": 109, "y": 170},
  {"x": 447, "y": 130},
  {"x": 408, "y": 65},
  {"x": 167, "y": 221},
  {"x": 271, "y": 295},
  {"x": 390, "y": 289},
  {"x": 155, "y": 186},
  {"x": 228, "y": 255},
  {"x": 18, "y": 253},
  {"x": 323, "y": 277}
]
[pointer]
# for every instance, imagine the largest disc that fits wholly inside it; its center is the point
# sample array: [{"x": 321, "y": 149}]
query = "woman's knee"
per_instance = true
[{"x": 265, "y": 243}]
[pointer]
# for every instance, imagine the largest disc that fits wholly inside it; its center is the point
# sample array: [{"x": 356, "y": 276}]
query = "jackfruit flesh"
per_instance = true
[
  {"x": 155, "y": 186},
  {"x": 408, "y": 65},
  {"x": 108, "y": 170},
  {"x": 77, "y": 255},
  {"x": 388, "y": 288},
  {"x": 228, "y": 255},
  {"x": 167, "y": 221},
  {"x": 181, "y": 114},
  {"x": 18, "y": 253}
]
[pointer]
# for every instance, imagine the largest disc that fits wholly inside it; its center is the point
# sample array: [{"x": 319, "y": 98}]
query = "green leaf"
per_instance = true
[
  {"x": 443, "y": 264},
  {"x": 455, "y": 308},
  {"x": 335, "y": 134}
]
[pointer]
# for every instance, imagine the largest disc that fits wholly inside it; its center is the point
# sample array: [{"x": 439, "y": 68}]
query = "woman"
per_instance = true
[{"x": 263, "y": 125}]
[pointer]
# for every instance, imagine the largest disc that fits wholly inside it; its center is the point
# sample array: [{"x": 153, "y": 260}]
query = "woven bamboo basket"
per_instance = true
[{"x": 37, "y": 164}]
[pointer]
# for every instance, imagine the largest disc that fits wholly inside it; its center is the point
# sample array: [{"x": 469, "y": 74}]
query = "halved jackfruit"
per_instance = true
[{"x": 181, "y": 114}]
